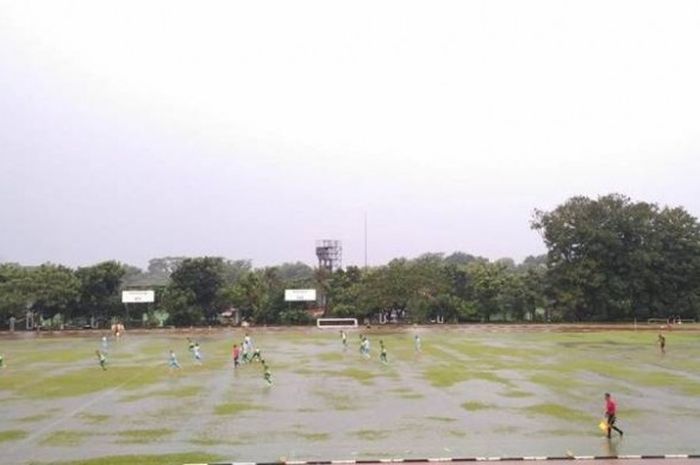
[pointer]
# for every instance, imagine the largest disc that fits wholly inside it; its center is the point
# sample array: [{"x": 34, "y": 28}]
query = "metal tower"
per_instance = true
[{"x": 330, "y": 254}]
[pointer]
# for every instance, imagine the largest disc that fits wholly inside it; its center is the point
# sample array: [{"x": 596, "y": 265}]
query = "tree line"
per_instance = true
[{"x": 608, "y": 259}]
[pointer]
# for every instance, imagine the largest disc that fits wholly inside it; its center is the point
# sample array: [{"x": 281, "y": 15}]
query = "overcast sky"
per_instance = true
[{"x": 138, "y": 129}]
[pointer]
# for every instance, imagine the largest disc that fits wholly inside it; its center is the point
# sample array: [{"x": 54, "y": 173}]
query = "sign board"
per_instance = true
[
  {"x": 138, "y": 297},
  {"x": 300, "y": 295}
]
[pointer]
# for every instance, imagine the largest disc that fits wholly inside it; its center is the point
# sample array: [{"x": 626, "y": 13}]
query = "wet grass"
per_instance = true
[
  {"x": 330, "y": 357},
  {"x": 441, "y": 419},
  {"x": 358, "y": 374},
  {"x": 67, "y": 438},
  {"x": 446, "y": 375},
  {"x": 556, "y": 381},
  {"x": 181, "y": 392},
  {"x": 161, "y": 459},
  {"x": 474, "y": 405},
  {"x": 337, "y": 401},
  {"x": 515, "y": 393},
  {"x": 370, "y": 435},
  {"x": 560, "y": 412},
  {"x": 93, "y": 418},
  {"x": 316, "y": 382},
  {"x": 37, "y": 417},
  {"x": 143, "y": 436},
  {"x": 81, "y": 381},
  {"x": 233, "y": 408},
  {"x": 12, "y": 435},
  {"x": 314, "y": 437}
]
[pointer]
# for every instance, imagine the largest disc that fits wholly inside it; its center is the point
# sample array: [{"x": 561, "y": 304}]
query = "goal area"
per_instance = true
[{"x": 325, "y": 323}]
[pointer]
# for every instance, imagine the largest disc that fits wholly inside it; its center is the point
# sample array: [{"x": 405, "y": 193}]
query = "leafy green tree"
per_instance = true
[
  {"x": 612, "y": 259},
  {"x": 259, "y": 296},
  {"x": 15, "y": 291},
  {"x": 462, "y": 258},
  {"x": 54, "y": 290},
  {"x": 202, "y": 278},
  {"x": 234, "y": 270},
  {"x": 295, "y": 274},
  {"x": 100, "y": 286},
  {"x": 488, "y": 283},
  {"x": 178, "y": 303},
  {"x": 159, "y": 271}
]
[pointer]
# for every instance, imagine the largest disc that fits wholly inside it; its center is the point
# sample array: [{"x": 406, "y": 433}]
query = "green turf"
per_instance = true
[
  {"x": 370, "y": 435},
  {"x": 12, "y": 435},
  {"x": 66, "y": 438},
  {"x": 560, "y": 412},
  {"x": 143, "y": 436},
  {"x": 314, "y": 436},
  {"x": 474, "y": 405},
  {"x": 441, "y": 419},
  {"x": 92, "y": 418},
  {"x": 233, "y": 408},
  {"x": 178, "y": 392},
  {"x": 162, "y": 459}
]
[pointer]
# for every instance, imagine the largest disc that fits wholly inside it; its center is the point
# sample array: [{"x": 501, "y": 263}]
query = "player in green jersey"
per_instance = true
[
  {"x": 102, "y": 359},
  {"x": 382, "y": 355}
]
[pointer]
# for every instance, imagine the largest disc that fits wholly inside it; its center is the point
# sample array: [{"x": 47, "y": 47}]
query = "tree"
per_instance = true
[
  {"x": 54, "y": 289},
  {"x": 297, "y": 273},
  {"x": 99, "y": 289},
  {"x": 160, "y": 269},
  {"x": 250, "y": 295},
  {"x": 15, "y": 291},
  {"x": 462, "y": 258},
  {"x": 612, "y": 259},
  {"x": 488, "y": 282},
  {"x": 234, "y": 270},
  {"x": 178, "y": 304},
  {"x": 202, "y": 278}
]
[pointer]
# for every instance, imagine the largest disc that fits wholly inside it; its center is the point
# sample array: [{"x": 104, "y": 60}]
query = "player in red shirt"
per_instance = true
[
  {"x": 236, "y": 353},
  {"x": 610, "y": 412}
]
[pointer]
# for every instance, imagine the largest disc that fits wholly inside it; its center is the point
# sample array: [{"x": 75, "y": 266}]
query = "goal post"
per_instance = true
[{"x": 325, "y": 323}]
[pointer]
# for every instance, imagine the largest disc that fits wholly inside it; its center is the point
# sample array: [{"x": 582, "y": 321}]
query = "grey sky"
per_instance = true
[{"x": 135, "y": 129}]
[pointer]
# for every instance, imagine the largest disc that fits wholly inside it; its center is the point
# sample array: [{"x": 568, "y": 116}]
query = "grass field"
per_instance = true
[{"x": 469, "y": 392}]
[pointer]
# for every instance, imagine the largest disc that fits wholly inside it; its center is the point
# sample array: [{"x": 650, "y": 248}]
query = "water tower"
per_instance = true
[{"x": 330, "y": 254}]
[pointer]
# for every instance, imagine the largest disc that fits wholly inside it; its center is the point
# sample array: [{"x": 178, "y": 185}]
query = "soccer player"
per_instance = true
[
  {"x": 267, "y": 375},
  {"x": 344, "y": 337},
  {"x": 365, "y": 347},
  {"x": 190, "y": 344},
  {"x": 416, "y": 343},
  {"x": 102, "y": 359},
  {"x": 2, "y": 362},
  {"x": 236, "y": 355},
  {"x": 246, "y": 353},
  {"x": 662, "y": 343},
  {"x": 172, "y": 361},
  {"x": 382, "y": 355},
  {"x": 610, "y": 414},
  {"x": 247, "y": 343},
  {"x": 196, "y": 352}
]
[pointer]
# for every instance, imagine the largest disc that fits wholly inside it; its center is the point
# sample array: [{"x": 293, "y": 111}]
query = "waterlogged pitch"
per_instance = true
[{"x": 470, "y": 391}]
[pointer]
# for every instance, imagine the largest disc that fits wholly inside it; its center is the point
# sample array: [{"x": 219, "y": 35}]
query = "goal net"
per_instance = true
[{"x": 336, "y": 323}]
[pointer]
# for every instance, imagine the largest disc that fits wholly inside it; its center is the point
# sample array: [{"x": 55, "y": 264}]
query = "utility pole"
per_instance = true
[{"x": 365, "y": 240}]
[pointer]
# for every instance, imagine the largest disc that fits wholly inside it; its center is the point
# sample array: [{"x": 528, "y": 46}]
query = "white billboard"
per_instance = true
[
  {"x": 138, "y": 297},
  {"x": 300, "y": 295}
]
